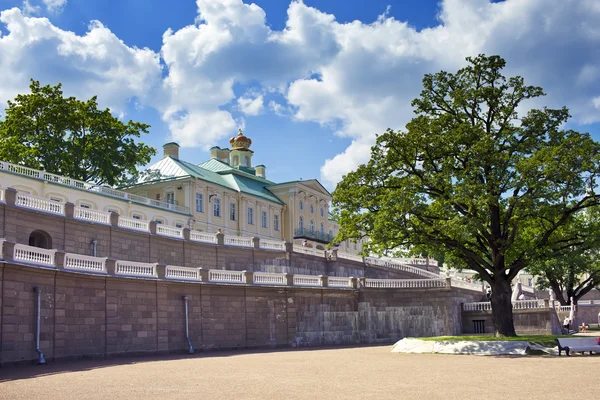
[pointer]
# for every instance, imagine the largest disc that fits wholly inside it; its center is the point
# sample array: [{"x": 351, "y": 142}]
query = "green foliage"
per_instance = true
[
  {"x": 573, "y": 269},
  {"x": 470, "y": 178},
  {"x": 544, "y": 340},
  {"x": 66, "y": 136}
]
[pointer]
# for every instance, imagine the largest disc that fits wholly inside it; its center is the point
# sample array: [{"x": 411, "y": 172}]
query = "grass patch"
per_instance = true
[{"x": 544, "y": 340}]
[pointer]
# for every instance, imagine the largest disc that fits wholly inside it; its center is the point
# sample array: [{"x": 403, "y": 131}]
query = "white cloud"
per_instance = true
[
  {"x": 97, "y": 63},
  {"x": 356, "y": 78},
  {"x": 251, "y": 106},
  {"x": 55, "y": 5}
]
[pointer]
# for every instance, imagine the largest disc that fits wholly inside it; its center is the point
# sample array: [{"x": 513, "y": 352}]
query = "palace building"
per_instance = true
[{"x": 225, "y": 194}]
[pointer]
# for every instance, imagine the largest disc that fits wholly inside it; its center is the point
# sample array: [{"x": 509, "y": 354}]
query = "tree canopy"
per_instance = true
[
  {"x": 470, "y": 176},
  {"x": 62, "y": 135}
]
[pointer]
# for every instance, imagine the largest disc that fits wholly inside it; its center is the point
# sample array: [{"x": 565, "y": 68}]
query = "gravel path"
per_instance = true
[{"x": 347, "y": 373}]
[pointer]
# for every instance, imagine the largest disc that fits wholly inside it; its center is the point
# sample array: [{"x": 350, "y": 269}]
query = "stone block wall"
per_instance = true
[{"x": 529, "y": 321}]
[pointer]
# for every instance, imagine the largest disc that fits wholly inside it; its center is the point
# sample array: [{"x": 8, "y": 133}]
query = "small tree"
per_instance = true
[
  {"x": 66, "y": 136},
  {"x": 471, "y": 177}
]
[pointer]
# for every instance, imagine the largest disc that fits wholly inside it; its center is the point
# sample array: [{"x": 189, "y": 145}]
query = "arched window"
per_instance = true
[
  {"x": 312, "y": 226},
  {"x": 312, "y": 209},
  {"x": 40, "y": 239},
  {"x": 301, "y": 205},
  {"x": 322, "y": 229},
  {"x": 322, "y": 213},
  {"x": 301, "y": 223}
]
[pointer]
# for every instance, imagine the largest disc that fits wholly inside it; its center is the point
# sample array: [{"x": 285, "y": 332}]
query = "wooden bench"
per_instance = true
[{"x": 578, "y": 345}]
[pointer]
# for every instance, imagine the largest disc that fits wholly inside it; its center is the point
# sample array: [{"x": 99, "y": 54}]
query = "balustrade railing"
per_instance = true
[
  {"x": 380, "y": 262},
  {"x": 307, "y": 280},
  {"x": 40, "y": 204},
  {"x": 203, "y": 237},
  {"x": 405, "y": 283},
  {"x": 339, "y": 282},
  {"x": 309, "y": 250},
  {"x": 135, "y": 268},
  {"x": 2, "y": 195},
  {"x": 85, "y": 263},
  {"x": 349, "y": 256},
  {"x": 33, "y": 255},
  {"x": 135, "y": 224},
  {"x": 478, "y": 306},
  {"x": 238, "y": 241},
  {"x": 62, "y": 180},
  {"x": 272, "y": 244},
  {"x": 182, "y": 273},
  {"x": 169, "y": 231},
  {"x": 476, "y": 286},
  {"x": 265, "y": 278},
  {"x": 516, "y": 305},
  {"x": 92, "y": 215},
  {"x": 219, "y": 275}
]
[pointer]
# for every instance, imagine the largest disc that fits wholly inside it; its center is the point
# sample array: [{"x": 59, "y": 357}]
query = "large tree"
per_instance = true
[
  {"x": 469, "y": 176},
  {"x": 63, "y": 135}
]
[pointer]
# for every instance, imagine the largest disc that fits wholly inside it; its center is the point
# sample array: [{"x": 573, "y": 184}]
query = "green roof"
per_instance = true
[{"x": 216, "y": 172}]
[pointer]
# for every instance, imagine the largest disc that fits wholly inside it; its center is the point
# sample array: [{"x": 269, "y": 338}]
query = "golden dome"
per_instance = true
[{"x": 240, "y": 142}]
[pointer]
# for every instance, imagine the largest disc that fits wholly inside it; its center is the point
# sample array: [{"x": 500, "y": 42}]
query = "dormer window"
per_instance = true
[{"x": 236, "y": 161}]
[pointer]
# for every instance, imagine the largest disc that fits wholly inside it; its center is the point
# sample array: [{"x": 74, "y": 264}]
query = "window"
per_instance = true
[
  {"x": 113, "y": 210},
  {"x": 136, "y": 216},
  {"x": 529, "y": 281},
  {"x": 301, "y": 223},
  {"x": 159, "y": 221},
  {"x": 232, "y": 211},
  {"x": 217, "y": 207},
  {"x": 178, "y": 225},
  {"x": 276, "y": 222},
  {"x": 250, "y": 216},
  {"x": 55, "y": 199},
  {"x": 322, "y": 212},
  {"x": 322, "y": 229},
  {"x": 301, "y": 205},
  {"x": 84, "y": 205},
  {"x": 354, "y": 245},
  {"x": 236, "y": 161},
  {"x": 479, "y": 326},
  {"x": 264, "y": 219},
  {"x": 312, "y": 209},
  {"x": 312, "y": 226},
  {"x": 199, "y": 203},
  {"x": 170, "y": 197}
]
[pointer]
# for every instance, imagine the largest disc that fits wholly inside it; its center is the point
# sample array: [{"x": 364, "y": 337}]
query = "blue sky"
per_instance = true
[{"x": 310, "y": 82}]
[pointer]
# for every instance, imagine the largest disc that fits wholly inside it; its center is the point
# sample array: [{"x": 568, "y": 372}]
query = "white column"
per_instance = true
[
  {"x": 292, "y": 207},
  {"x": 243, "y": 216},
  {"x": 225, "y": 213},
  {"x": 209, "y": 206}
]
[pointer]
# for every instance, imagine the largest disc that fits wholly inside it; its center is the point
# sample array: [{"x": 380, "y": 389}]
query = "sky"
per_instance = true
[{"x": 310, "y": 82}]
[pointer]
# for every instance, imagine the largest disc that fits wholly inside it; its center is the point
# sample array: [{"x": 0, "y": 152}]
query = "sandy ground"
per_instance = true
[{"x": 347, "y": 373}]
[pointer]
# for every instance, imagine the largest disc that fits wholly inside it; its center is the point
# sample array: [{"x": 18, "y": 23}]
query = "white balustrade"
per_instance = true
[
  {"x": 309, "y": 250},
  {"x": 405, "y": 283},
  {"x": 92, "y": 215},
  {"x": 349, "y": 256},
  {"x": 307, "y": 280},
  {"x": 135, "y": 268},
  {"x": 2, "y": 195},
  {"x": 40, "y": 204},
  {"x": 265, "y": 278},
  {"x": 526, "y": 304},
  {"x": 478, "y": 306},
  {"x": 203, "y": 237},
  {"x": 63, "y": 180},
  {"x": 33, "y": 255},
  {"x": 135, "y": 224},
  {"x": 475, "y": 286},
  {"x": 219, "y": 275},
  {"x": 238, "y": 241},
  {"x": 272, "y": 244},
  {"x": 85, "y": 263},
  {"x": 339, "y": 282},
  {"x": 564, "y": 308},
  {"x": 169, "y": 231},
  {"x": 182, "y": 273},
  {"x": 380, "y": 262},
  {"x": 2, "y": 248}
]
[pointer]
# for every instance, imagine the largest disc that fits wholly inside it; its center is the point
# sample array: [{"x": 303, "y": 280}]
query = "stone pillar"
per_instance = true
[
  {"x": 256, "y": 242},
  {"x": 152, "y": 227},
  {"x": 334, "y": 255},
  {"x": 8, "y": 250},
  {"x": 362, "y": 283},
  {"x": 59, "y": 259},
  {"x": 289, "y": 279},
  {"x": 114, "y": 219},
  {"x": 448, "y": 282},
  {"x": 203, "y": 272},
  {"x": 161, "y": 271},
  {"x": 69, "y": 210},
  {"x": 324, "y": 281},
  {"x": 111, "y": 266},
  {"x": 353, "y": 282},
  {"x": 10, "y": 196},
  {"x": 220, "y": 238},
  {"x": 248, "y": 277},
  {"x": 289, "y": 247},
  {"x": 186, "y": 233}
]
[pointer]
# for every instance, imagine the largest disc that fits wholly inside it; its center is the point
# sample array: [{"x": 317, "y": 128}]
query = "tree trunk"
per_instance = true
[{"x": 502, "y": 315}]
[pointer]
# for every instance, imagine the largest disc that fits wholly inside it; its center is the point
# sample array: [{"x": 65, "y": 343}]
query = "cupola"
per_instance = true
[
  {"x": 171, "y": 150},
  {"x": 240, "y": 154}
]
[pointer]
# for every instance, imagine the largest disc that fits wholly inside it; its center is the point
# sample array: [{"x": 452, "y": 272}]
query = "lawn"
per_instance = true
[{"x": 544, "y": 340}]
